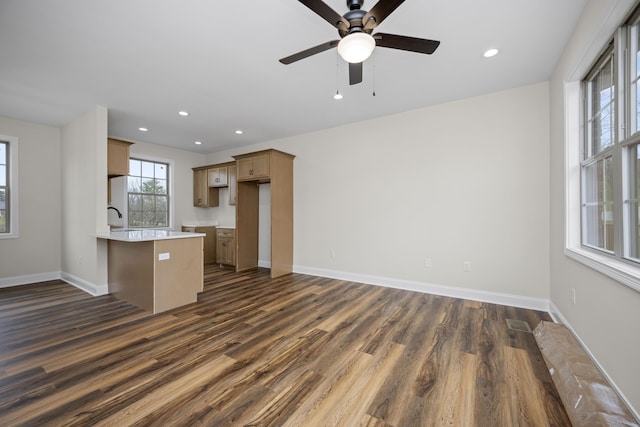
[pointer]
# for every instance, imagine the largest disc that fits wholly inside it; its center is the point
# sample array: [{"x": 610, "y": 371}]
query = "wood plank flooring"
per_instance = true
[{"x": 253, "y": 351}]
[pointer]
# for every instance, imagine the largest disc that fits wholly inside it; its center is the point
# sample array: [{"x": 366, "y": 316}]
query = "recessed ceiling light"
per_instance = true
[
  {"x": 183, "y": 113},
  {"x": 491, "y": 52},
  {"x": 143, "y": 129},
  {"x": 239, "y": 132},
  {"x": 198, "y": 143}
]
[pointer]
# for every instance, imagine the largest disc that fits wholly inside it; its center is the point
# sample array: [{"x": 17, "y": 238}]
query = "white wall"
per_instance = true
[
  {"x": 84, "y": 201},
  {"x": 464, "y": 181},
  {"x": 606, "y": 314},
  {"x": 35, "y": 254}
]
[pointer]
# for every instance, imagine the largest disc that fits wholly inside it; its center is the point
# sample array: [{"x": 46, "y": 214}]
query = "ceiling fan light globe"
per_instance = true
[{"x": 356, "y": 47}]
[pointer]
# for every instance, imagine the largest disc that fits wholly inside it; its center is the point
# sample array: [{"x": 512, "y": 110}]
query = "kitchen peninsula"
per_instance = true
[{"x": 157, "y": 270}]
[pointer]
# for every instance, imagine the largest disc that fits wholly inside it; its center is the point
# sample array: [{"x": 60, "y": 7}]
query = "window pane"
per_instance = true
[
  {"x": 3, "y": 175},
  {"x": 161, "y": 203},
  {"x": 161, "y": 186},
  {"x": 598, "y": 226},
  {"x": 135, "y": 167},
  {"x": 135, "y": 219},
  {"x": 147, "y": 169},
  {"x": 161, "y": 219},
  {"x": 161, "y": 171},
  {"x": 631, "y": 204},
  {"x": 3, "y": 210},
  {"x": 135, "y": 202},
  {"x": 3, "y": 153},
  {"x": 148, "y": 186},
  {"x": 134, "y": 184},
  {"x": 601, "y": 111}
]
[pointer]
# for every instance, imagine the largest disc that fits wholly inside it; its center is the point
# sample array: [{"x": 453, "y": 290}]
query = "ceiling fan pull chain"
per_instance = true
[{"x": 374, "y": 74}]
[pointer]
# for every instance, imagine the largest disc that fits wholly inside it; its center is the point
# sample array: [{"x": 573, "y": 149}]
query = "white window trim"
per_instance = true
[
  {"x": 14, "y": 218},
  {"x": 171, "y": 164},
  {"x": 615, "y": 268}
]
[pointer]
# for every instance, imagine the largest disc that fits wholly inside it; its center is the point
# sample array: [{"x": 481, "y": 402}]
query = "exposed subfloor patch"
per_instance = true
[{"x": 518, "y": 325}]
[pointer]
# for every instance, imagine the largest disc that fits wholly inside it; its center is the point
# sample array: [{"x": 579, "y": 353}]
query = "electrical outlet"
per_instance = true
[
  {"x": 427, "y": 263},
  {"x": 332, "y": 253},
  {"x": 466, "y": 266},
  {"x": 573, "y": 295}
]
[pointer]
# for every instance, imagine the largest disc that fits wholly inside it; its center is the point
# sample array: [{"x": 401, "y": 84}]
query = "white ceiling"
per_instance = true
[{"x": 147, "y": 59}]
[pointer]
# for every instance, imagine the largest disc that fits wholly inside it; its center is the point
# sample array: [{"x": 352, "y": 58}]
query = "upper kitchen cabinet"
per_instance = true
[
  {"x": 254, "y": 166},
  {"x": 203, "y": 195},
  {"x": 218, "y": 176},
  {"x": 117, "y": 157}
]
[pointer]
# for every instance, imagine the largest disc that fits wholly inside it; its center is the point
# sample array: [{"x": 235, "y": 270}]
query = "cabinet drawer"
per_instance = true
[
  {"x": 225, "y": 233},
  {"x": 188, "y": 229}
]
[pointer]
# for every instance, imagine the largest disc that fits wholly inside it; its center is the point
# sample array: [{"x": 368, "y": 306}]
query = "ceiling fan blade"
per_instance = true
[
  {"x": 328, "y": 14},
  {"x": 355, "y": 73},
  {"x": 412, "y": 44},
  {"x": 309, "y": 52},
  {"x": 380, "y": 11}
]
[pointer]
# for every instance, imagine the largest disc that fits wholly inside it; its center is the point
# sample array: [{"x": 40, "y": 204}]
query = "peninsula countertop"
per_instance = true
[{"x": 137, "y": 235}]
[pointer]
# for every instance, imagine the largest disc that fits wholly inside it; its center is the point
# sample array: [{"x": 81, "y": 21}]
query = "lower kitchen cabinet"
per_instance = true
[
  {"x": 226, "y": 246},
  {"x": 209, "y": 241}
]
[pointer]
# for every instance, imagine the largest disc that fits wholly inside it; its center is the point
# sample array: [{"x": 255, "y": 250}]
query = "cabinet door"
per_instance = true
[
  {"x": 244, "y": 169},
  {"x": 254, "y": 167},
  {"x": 260, "y": 166},
  {"x": 218, "y": 177},
  {"x": 117, "y": 158},
  {"x": 203, "y": 195},
  {"x": 200, "y": 186},
  {"x": 233, "y": 185}
]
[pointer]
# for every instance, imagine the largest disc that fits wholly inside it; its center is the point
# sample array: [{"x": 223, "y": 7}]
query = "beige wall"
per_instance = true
[
  {"x": 607, "y": 313},
  {"x": 35, "y": 254},
  {"x": 464, "y": 181},
  {"x": 84, "y": 201}
]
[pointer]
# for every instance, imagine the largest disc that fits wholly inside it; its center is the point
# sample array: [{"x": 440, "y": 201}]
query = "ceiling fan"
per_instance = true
[{"x": 356, "y": 42}]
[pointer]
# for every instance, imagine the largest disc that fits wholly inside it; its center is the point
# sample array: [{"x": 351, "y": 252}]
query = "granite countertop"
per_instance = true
[{"x": 128, "y": 235}]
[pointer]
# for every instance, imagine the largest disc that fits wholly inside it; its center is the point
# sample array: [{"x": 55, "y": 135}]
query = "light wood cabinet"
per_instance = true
[
  {"x": 254, "y": 167},
  {"x": 226, "y": 246},
  {"x": 209, "y": 241},
  {"x": 203, "y": 195},
  {"x": 233, "y": 185},
  {"x": 275, "y": 167},
  {"x": 117, "y": 157},
  {"x": 218, "y": 177}
]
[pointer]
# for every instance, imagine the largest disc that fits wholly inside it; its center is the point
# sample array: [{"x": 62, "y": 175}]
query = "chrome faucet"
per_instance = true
[{"x": 115, "y": 209}]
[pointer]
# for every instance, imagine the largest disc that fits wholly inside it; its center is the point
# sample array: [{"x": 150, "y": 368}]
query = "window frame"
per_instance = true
[
  {"x": 170, "y": 191},
  {"x": 12, "y": 186},
  {"x": 617, "y": 264}
]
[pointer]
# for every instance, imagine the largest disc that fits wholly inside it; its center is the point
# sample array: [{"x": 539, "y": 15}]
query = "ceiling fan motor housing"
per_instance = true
[{"x": 354, "y": 16}]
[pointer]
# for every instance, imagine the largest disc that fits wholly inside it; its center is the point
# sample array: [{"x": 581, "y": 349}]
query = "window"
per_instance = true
[
  {"x": 148, "y": 193},
  {"x": 4, "y": 187},
  {"x": 8, "y": 187},
  {"x": 610, "y": 154}
]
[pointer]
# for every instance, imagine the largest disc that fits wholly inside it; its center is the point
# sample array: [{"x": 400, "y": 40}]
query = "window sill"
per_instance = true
[{"x": 614, "y": 268}]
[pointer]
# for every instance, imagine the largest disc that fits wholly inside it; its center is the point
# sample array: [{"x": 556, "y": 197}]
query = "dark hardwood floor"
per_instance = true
[{"x": 296, "y": 351}]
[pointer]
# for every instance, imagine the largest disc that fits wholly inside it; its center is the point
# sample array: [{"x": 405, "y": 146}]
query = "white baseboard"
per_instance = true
[
  {"x": 28, "y": 279},
  {"x": 264, "y": 264},
  {"x": 559, "y": 317},
  {"x": 88, "y": 287},
  {"x": 540, "y": 304}
]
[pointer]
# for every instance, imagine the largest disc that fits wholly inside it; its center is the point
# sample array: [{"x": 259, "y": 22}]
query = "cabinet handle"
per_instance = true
[{"x": 250, "y": 171}]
